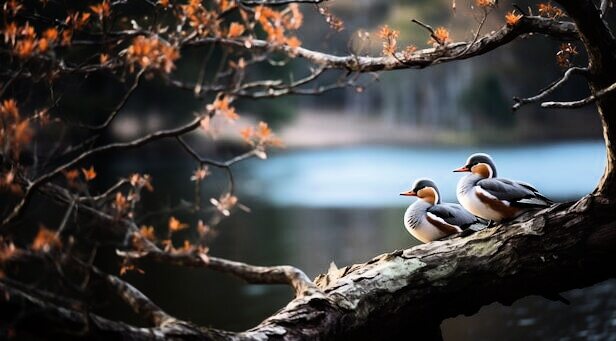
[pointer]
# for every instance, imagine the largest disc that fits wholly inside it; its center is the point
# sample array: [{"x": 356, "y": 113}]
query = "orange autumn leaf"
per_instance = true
[
  {"x": 200, "y": 173},
  {"x": 51, "y": 34},
  {"x": 147, "y": 232},
  {"x": 485, "y": 3},
  {"x": 226, "y": 5},
  {"x": 549, "y": 10},
  {"x": 408, "y": 51},
  {"x": 295, "y": 20},
  {"x": 203, "y": 229},
  {"x": 43, "y": 45},
  {"x": 264, "y": 131},
  {"x": 22, "y": 134},
  {"x": 247, "y": 134},
  {"x": 222, "y": 106},
  {"x": 293, "y": 42},
  {"x": 7, "y": 251},
  {"x": 10, "y": 33},
  {"x": 152, "y": 53},
  {"x": 224, "y": 203},
  {"x": 67, "y": 37},
  {"x": 71, "y": 175},
  {"x": 390, "y": 40},
  {"x": 120, "y": 204},
  {"x": 9, "y": 108},
  {"x": 102, "y": 10},
  {"x": 260, "y": 138},
  {"x": 440, "y": 36},
  {"x": 103, "y": 58},
  {"x": 175, "y": 225},
  {"x": 235, "y": 30},
  {"x": 512, "y": 18},
  {"x": 24, "y": 48},
  {"x": 89, "y": 173},
  {"x": 164, "y": 3},
  {"x": 187, "y": 246},
  {"x": 45, "y": 240}
]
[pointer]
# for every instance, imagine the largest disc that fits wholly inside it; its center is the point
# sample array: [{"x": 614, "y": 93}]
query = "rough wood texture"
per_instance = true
[
  {"x": 561, "y": 248},
  {"x": 564, "y": 247}
]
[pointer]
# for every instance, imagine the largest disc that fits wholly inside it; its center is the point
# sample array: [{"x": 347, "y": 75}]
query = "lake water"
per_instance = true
[
  {"x": 373, "y": 176},
  {"x": 312, "y": 207}
]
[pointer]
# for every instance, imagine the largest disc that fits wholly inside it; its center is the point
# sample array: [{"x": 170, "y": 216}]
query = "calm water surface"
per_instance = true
[{"x": 312, "y": 207}]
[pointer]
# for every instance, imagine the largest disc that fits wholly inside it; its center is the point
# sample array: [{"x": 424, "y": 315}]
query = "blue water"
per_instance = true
[{"x": 373, "y": 176}]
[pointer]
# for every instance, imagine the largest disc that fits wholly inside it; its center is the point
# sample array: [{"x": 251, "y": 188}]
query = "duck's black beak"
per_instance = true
[
  {"x": 461, "y": 169},
  {"x": 409, "y": 194}
]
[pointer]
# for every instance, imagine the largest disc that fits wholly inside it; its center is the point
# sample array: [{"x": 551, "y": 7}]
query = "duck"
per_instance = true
[
  {"x": 484, "y": 194},
  {"x": 428, "y": 219}
]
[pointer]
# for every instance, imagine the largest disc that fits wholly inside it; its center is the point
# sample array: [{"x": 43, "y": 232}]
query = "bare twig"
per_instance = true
[
  {"x": 34, "y": 185},
  {"x": 119, "y": 107},
  {"x": 549, "y": 89},
  {"x": 576, "y": 104},
  {"x": 284, "y": 274}
]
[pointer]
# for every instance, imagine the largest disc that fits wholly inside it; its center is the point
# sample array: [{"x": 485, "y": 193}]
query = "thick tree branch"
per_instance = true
[{"x": 420, "y": 58}]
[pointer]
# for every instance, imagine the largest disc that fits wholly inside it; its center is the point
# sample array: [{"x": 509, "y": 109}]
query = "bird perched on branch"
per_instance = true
[
  {"x": 488, "y": 197},
  {"x": 428, "y": 219}
]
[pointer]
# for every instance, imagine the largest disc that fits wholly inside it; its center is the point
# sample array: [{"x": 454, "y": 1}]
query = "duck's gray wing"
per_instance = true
[
  {"x": 454, "y": 214},
  {"x": 517, "y": 193}
]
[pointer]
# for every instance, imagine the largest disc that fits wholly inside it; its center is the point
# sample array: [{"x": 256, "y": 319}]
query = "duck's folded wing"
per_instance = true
[
  {"x": 453, "y": 214},
  {"x": 516, "y": 193}
]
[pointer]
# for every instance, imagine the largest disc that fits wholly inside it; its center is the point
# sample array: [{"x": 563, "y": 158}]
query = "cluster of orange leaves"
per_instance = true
[
  {"x": 550, "y": 11},
  {"x": 102, "y": 10},
  {"x": 221, "y": 106},
  {"x": 276, "y": 23},
  {"x": 123, "y": 203},
  {"x": 148, "y": 233},
  {"x": 225, "y": 203},
  {"x": 440, "y": 37},
  {"x": 512, "y": 18},
  {"x": 7, "y": 181},
  {"x": 15, "y": 131},
  {"x": 46, "y": 240},
  {"x": 200, "y": 173},
  {"x": 204, "y": 21},
  {"x": 25, "y": 41},
  {"x": 565, "y": 53},
  {"x": 260, "y": 137},
  {"x": 485, "y": 3},
  {"x": 334, "y": 22},
  {"x": 72, "y": 175},
  {"x": 151, "y": 53},
  {"x": 390, "y": 42}
]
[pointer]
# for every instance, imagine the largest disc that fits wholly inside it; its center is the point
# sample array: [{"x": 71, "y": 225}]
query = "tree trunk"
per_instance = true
[{"x": 600, "y": 46}]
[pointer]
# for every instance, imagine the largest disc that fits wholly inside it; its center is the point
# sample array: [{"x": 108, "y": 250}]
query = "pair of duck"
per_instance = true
[{"x": 481, "y": 195}]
